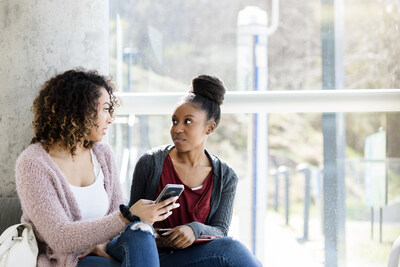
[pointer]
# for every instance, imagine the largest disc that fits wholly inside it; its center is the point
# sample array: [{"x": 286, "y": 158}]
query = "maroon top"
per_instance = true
[{"x": 194, "y": 204}]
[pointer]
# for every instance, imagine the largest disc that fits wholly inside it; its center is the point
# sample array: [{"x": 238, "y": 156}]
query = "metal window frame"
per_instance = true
[{"x": 292, "y": 101}]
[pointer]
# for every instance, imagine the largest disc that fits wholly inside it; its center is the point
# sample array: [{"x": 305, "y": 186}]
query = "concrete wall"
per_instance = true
[{"x": 37, "y": 40}]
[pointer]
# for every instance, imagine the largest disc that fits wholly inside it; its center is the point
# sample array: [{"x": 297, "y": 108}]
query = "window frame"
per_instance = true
[{"x": 293, "y": 101}]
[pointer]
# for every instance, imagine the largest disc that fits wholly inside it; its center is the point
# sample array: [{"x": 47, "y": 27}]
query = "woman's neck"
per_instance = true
[
  {"x": 193, "y": 157},
  {"x": 78, "y": 168},
  {"x": 58, "y": 152}
]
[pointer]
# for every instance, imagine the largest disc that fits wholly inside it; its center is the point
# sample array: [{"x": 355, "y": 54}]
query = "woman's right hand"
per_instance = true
[
  {"x": 151, "y": 212},
  {"x": 99, "y": 250}
]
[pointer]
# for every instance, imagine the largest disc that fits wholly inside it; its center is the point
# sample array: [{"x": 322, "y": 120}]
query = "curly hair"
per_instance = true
[{"x": 66, "y": 109}]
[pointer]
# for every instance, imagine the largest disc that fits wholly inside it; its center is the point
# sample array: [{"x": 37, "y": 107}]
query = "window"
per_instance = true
[{"x": 158, "y": 47}]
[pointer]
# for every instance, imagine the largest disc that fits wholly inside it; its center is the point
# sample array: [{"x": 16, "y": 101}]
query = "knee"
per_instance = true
[
  {"x": 135, "y": 229},
  {"x": 145, "y": 227},
  {"x": 231, "y": 244},
  {"x": 237, "y": 253}
]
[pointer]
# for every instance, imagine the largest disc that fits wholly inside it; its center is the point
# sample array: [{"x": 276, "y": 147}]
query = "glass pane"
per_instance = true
[
  {"x": 296, "y": 141},
  {"x": 162, "y": 45},
  {"x": 159, "y": 46}
]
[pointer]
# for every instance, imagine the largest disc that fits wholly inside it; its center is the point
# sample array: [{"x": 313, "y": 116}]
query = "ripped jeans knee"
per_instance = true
[
  {"x": 144, "y": 226},
  {"x": 135, "y": 246}
]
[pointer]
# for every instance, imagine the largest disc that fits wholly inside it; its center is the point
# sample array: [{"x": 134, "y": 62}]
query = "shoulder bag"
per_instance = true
[{"x": 18, "y": 246}]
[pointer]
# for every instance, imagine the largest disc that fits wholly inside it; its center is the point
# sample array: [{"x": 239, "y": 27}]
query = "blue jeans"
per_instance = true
[
  {"x": 130, "y": 248},
  {"x": 96, "y": 261},
  {"x": 220, "y": 252}
]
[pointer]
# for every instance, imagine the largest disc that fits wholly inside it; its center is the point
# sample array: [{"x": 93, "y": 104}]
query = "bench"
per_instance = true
[{"x": 10, "y": 212}]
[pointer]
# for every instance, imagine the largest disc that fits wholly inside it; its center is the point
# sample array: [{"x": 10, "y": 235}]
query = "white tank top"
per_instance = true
[{"x": 93, "y": 199}]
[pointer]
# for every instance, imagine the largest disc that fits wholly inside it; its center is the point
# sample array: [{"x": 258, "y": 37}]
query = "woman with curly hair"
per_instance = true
[{"x": 68, "y": 183}]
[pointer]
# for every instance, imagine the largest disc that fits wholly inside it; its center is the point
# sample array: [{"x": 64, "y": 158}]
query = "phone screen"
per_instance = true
[{"x": 170, "y": 190}]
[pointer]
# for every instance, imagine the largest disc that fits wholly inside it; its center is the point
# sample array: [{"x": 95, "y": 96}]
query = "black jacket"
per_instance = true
[{"x": 147, "y": 176}]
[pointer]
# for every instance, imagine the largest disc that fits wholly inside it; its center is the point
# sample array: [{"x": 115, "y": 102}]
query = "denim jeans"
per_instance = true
[
  {"x": 220, "y": 252},
  {"x": 96, "y": 261},
  {"x": 132, "y": 247}
]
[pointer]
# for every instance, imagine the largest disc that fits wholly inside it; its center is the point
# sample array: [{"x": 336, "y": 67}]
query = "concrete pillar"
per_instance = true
[{"x": 37, "y": 40}]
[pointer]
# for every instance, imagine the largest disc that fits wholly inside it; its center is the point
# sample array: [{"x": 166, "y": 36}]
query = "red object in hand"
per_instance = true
[{"x": 205, "y": 238}]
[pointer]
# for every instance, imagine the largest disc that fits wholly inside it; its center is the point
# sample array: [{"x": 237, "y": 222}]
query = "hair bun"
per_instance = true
[{"x": 210, "y": 87}]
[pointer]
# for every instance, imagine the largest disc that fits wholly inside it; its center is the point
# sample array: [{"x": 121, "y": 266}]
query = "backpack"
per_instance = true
[{"x": 18, "y": 246}]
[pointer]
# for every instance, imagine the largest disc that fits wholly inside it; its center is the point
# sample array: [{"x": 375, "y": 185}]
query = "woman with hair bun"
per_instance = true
[{"x": 206, "y": 203}]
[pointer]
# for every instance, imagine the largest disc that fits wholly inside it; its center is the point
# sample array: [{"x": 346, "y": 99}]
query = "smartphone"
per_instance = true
[
  {"x": 162, "y": 231},
  {"x": 170, "y": 190}
]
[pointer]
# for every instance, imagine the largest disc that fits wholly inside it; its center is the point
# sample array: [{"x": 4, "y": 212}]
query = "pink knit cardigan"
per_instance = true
[{"x": 50, "y": 207}]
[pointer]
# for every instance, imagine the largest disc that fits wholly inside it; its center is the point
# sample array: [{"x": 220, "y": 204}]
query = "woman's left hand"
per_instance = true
[
  {"x": 99, "y": 250},
  {"x": 179, "y": 237}
]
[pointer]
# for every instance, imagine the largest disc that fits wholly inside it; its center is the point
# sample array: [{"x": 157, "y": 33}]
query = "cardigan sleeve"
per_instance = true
[
  {"x": 44, "y": 205},
  {"x": 218, "y": 223}
]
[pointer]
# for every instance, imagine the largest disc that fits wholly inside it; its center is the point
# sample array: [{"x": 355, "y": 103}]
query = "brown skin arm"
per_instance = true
[{"x": 179, "y": 237}]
